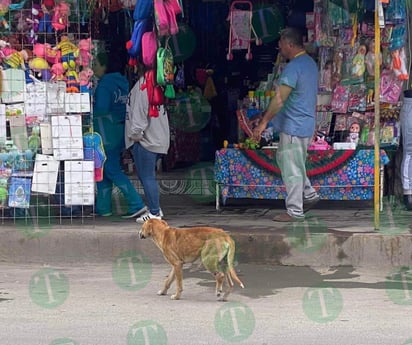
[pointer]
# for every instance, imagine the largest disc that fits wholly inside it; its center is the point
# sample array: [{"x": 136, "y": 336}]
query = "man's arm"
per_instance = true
[{"x": 275, "y": 105}]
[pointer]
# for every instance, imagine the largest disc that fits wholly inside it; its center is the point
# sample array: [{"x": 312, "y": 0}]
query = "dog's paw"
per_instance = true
[
  {"x": 175, "y": 297},
  {"x": 222, "y": 299},
  {"x": 161, "y": 292},
  {"x": 218, "y": 293}
]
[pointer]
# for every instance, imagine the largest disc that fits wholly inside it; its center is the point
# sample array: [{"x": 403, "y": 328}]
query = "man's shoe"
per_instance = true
[
  {"x": 286, "y": 217},
  {"x": 135, "y": 214},
  {"x": 311, "y": 203},
  {"x": 148, "y": 215}
]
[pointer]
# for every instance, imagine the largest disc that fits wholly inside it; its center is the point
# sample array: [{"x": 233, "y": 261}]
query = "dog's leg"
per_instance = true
[
  {"x": 169, "y": 280},
  {"x": 179, "y": 280},
  {"x": 229, "y": 287}
]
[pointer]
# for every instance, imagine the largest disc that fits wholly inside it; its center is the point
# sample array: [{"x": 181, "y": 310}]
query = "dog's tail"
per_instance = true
[{"x": 230, "y": 261}]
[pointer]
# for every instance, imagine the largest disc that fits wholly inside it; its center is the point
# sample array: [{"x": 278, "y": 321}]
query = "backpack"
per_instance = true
[
  {"x": 154, "y": 93},
  {"x": 165, "y": 16},
  {"x": 149, "y": 48},
  {"x": 134, "y": 45},
  {"x": 143, "y": 9},
  {"x": 165, "y": 70}
]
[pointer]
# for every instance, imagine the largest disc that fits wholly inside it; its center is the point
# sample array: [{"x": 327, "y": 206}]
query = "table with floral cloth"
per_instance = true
[{"x": 336, "y": 174}]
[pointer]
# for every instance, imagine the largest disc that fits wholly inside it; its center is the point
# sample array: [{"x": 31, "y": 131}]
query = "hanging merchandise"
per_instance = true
[
  {"x": 165, "y": 70},
  {"x": 241, "y": 28}
]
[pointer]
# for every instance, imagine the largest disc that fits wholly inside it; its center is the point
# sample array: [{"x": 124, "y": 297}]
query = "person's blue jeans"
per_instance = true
[
  {"x": 145, "y": 162},
  {"x": 113, "y": 175}
]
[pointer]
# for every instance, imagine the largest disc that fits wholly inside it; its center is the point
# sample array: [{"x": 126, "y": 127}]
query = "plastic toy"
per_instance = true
[
  {"x": 241, "y": 28},
  {"x": 399, "y": 64}
]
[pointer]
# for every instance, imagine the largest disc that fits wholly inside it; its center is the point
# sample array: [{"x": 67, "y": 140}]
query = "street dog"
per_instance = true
[{"x": 186, "y": 245}]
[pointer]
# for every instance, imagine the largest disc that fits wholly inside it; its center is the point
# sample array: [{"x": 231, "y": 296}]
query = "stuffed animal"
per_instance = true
[
  {"x": 60, "y": 18},
  {"x": 4, "y": 8},
  {"x": 57, "y": 72},
  {"x": 40, "y": 66},
  {"x": 45, "y": 23},
  {"x": 35, "y": 22},
  {"x": 85, "y": 79},
  {"x": 17, "y": 59},
  {"x": 69, "y": 52},
  {"x": 72, "y": 81},
  {"x": 85, "y": 48}
]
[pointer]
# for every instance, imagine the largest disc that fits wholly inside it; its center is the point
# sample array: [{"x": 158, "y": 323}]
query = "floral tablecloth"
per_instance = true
[{"x": 240, "y": 176}]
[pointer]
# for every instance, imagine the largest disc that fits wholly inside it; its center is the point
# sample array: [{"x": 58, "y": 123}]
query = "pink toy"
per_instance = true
[
  {"x": 241, "y": 28},
  {"x": 61, "y": 13},
  {"x": 57, "y": 71},
  {"x": 85, "y": 48},
  {"x": 84, "y": 79}
]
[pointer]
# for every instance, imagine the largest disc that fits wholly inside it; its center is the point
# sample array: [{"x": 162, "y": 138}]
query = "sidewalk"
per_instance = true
[{"x": 334, "y": 233}]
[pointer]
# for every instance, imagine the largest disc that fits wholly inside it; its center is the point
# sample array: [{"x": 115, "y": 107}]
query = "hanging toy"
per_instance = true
[
  {"x": 399, "y": 64},
  {"x": 241, "y": 28}
]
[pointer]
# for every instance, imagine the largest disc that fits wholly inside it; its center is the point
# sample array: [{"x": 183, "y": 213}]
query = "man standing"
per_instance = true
[{"x": 293, "y": 111}]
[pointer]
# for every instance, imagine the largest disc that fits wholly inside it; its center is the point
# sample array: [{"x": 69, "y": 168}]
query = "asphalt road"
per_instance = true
[{"x": 117, "y": 304}]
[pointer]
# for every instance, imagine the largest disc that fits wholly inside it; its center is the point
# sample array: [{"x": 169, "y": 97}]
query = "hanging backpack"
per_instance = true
[
  {"x": 154, "y": 93},
  {"x": 134, "y": 45},
  {"x": 165, "y": 70},
  {"x": 149, "y": 48},
  {"x": 165, "y": 16}
]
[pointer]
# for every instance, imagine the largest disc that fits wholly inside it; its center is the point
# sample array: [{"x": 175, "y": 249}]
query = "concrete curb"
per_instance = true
[{"x": 102, "y": 243}]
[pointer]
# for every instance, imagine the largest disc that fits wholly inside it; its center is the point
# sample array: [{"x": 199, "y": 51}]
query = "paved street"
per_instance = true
[{"x": 116, "y": 304}]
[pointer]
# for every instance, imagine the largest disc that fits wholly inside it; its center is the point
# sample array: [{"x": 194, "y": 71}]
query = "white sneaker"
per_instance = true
[{"x": 147, "y": 216}]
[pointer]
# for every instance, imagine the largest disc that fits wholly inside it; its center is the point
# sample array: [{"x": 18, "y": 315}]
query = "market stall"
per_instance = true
[{"x": 361, "y": 78}]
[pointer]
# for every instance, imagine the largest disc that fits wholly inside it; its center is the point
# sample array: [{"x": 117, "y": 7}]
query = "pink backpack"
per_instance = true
[
  {"x": 165, "y": 15},
  {"x": 149, "y": 48}
]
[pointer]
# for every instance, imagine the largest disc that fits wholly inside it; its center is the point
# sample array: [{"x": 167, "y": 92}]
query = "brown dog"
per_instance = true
[{"x": 180, "y": 246}]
